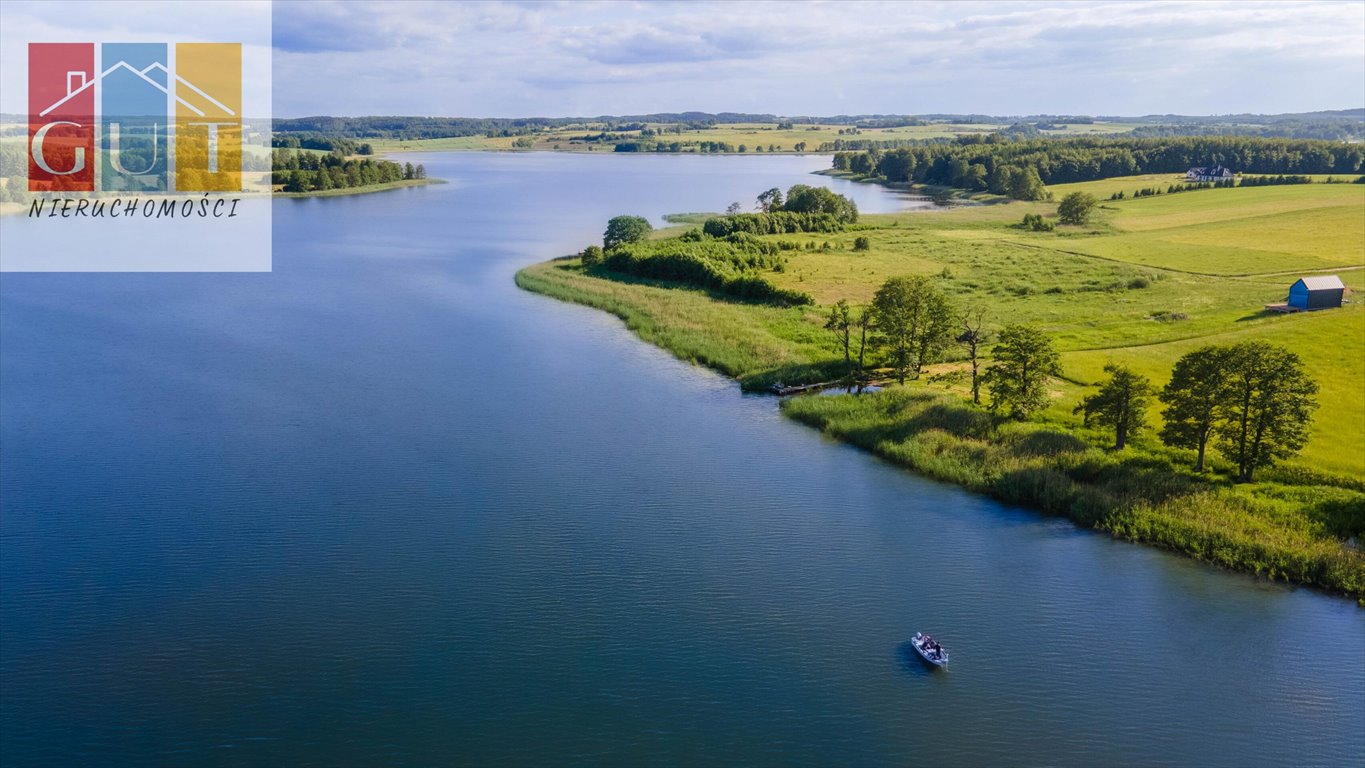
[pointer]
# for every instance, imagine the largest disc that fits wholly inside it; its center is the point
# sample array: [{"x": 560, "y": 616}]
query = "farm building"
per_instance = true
[
  {"x": 1212, "y": 173},
  {"x": 1309, "y": 293},
  {"x": 1317, "y": 292}
]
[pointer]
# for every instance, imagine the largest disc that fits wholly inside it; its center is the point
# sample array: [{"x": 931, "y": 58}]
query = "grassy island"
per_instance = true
[{"x": 1144, "y": 281}]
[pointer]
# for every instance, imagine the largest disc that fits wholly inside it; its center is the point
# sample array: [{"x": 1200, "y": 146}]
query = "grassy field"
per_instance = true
[
  {"x": 452, "y": 144},
  {"x": 1135, "y": 285},
  {"x": 752, "y": 135},
  {"x": 1147, "y": 281}
]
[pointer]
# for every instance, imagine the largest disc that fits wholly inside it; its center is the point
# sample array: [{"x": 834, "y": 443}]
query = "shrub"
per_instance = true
[
  {"x": 1076, "y": 208},
  {"x": 725, "y": 266},
  {"x": 861, "y": 244},
  {"x": 592, "y": 256},
  {"x": 625, "y": 229},
  {"x": 775, "y": 223}
]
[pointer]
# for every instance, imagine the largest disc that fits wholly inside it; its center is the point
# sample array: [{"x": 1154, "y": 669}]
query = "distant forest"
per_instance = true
[
  {"x": 1019, "y": 168},
  {"x": 1341, "y": 125},
  {"x": 297, "y": 171}
]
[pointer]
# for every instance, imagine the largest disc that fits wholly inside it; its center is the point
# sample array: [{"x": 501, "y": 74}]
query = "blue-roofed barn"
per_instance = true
[{"x": 1316, "y": 292}]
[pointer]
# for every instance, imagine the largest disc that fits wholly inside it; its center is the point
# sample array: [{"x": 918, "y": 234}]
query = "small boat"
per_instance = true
[{"x": 929, "y": 650}]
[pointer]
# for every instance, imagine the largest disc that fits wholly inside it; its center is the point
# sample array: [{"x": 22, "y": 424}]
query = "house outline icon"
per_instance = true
[{"x": 142, "y": 73}]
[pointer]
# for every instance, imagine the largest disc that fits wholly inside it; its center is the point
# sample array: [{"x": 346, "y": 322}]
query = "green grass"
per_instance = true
[
  {"x": 1276, "y": 530},
  {"x": 757, "y": 345},
  {"x": 1146, "y": 282},
  {"x": 1221, "y": 232},
  {"x": 1074, "y": 283},
  {"x": 752, "y": 135},
  {"x": 451, "y": 144},
  {"x": 1332, "y": 345}
]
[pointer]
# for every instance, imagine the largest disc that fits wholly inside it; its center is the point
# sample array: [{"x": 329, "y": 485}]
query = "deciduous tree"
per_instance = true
[
  {"x": 1266, "y": 408},
  {"x": 1120, "y": 403},
  {"x": 1025, "y": 185},
  {"x": 803, "y": 198},
  {"x": 973, "y": 336},
  {"x": 1024, "y": 362},
  {"x": 1076, "y": 208},
  {"x": 914, "y": 321},
  {"x": 625, "y": 229},
  {"x": 1192, "y": 397},
  {"x": 770, "y": 201}
]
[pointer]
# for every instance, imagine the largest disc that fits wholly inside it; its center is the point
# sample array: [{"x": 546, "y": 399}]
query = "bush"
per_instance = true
[
  {"x": 625, "y": 229},
  {"x": 861, "y": 244},
  {"x": 728, "y": 267},
  {"x": 592, "y": 256},
  {"x": 1036, "y": 223},
  {"x": 775, "y": 223},
  {"x": 802, "y": 198},
  {"x": 1076, "y": 208}
]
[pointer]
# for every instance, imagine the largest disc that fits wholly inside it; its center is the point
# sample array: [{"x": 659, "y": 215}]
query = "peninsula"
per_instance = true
[{"x": 1118, "y": 284}]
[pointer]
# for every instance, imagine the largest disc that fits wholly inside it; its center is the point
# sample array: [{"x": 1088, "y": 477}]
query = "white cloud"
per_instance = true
[
  {"x": 522, "y": 59},
  {"x": 55, "y": 21}
]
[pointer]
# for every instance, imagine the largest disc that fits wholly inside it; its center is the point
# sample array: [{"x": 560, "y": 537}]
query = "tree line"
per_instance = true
[
  {"x": 1252, "y": 401},
  {"x": 725, "y": 255},
  {"x": 994, "y": 163},
  {"x": 702, "y": 147},
  {"x": 299, "y": 171},
  {"x": 410, "y": 127},
  {"x": 1344, "y": 124},
  {"x": 336, "y": 144}
]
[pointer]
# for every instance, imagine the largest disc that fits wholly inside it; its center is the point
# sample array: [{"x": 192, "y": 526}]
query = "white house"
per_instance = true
[{"x": 1212, "y": 173}]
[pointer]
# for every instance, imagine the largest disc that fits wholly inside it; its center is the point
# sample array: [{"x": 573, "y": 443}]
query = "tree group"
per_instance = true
[
  {"x": 1019, "y": 166},
  {"x": 1253, "y": 400}
]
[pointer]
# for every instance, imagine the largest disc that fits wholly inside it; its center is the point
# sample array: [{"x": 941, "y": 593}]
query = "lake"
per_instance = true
[{"x": 380, "y": 507}]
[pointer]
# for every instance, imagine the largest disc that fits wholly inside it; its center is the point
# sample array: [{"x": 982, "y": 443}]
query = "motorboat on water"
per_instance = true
[{"x": 929, "y": 650}]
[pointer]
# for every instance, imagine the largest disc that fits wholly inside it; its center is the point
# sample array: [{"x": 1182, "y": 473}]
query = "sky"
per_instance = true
[{"x": 508, "y": 59}]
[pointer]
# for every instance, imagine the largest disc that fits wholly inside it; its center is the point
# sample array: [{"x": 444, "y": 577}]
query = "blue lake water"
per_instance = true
[{"x": 380, "y": 507}]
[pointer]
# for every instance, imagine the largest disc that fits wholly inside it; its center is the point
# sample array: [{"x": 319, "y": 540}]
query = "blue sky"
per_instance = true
[
  {"x": 348, "y": 57},
  {"x": 511, "y": 59}
]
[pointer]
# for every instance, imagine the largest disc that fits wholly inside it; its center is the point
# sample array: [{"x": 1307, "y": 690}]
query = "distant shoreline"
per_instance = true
[
  {"x": 1106, "y": 304},
  {"x": 365, "y": 190}
]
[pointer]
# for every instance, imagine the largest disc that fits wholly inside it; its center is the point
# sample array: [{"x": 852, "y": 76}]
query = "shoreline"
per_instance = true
[
  {"x": 9, "y": 209},
  {"x": 365, "y": 190},
  {"x": 1050, "y": 468}
]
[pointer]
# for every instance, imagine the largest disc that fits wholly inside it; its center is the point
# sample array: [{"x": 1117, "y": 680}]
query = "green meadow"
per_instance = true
[
  {"x": 751, "y": 135},
  {"x": 1146, "y": 281},
  {"x": 1133, "y": 285}
]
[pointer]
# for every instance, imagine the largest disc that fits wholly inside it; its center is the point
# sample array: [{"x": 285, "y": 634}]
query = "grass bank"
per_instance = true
[
  {"x": 1287, "y": 528},
  {"x": 1145, "y": 282}
]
